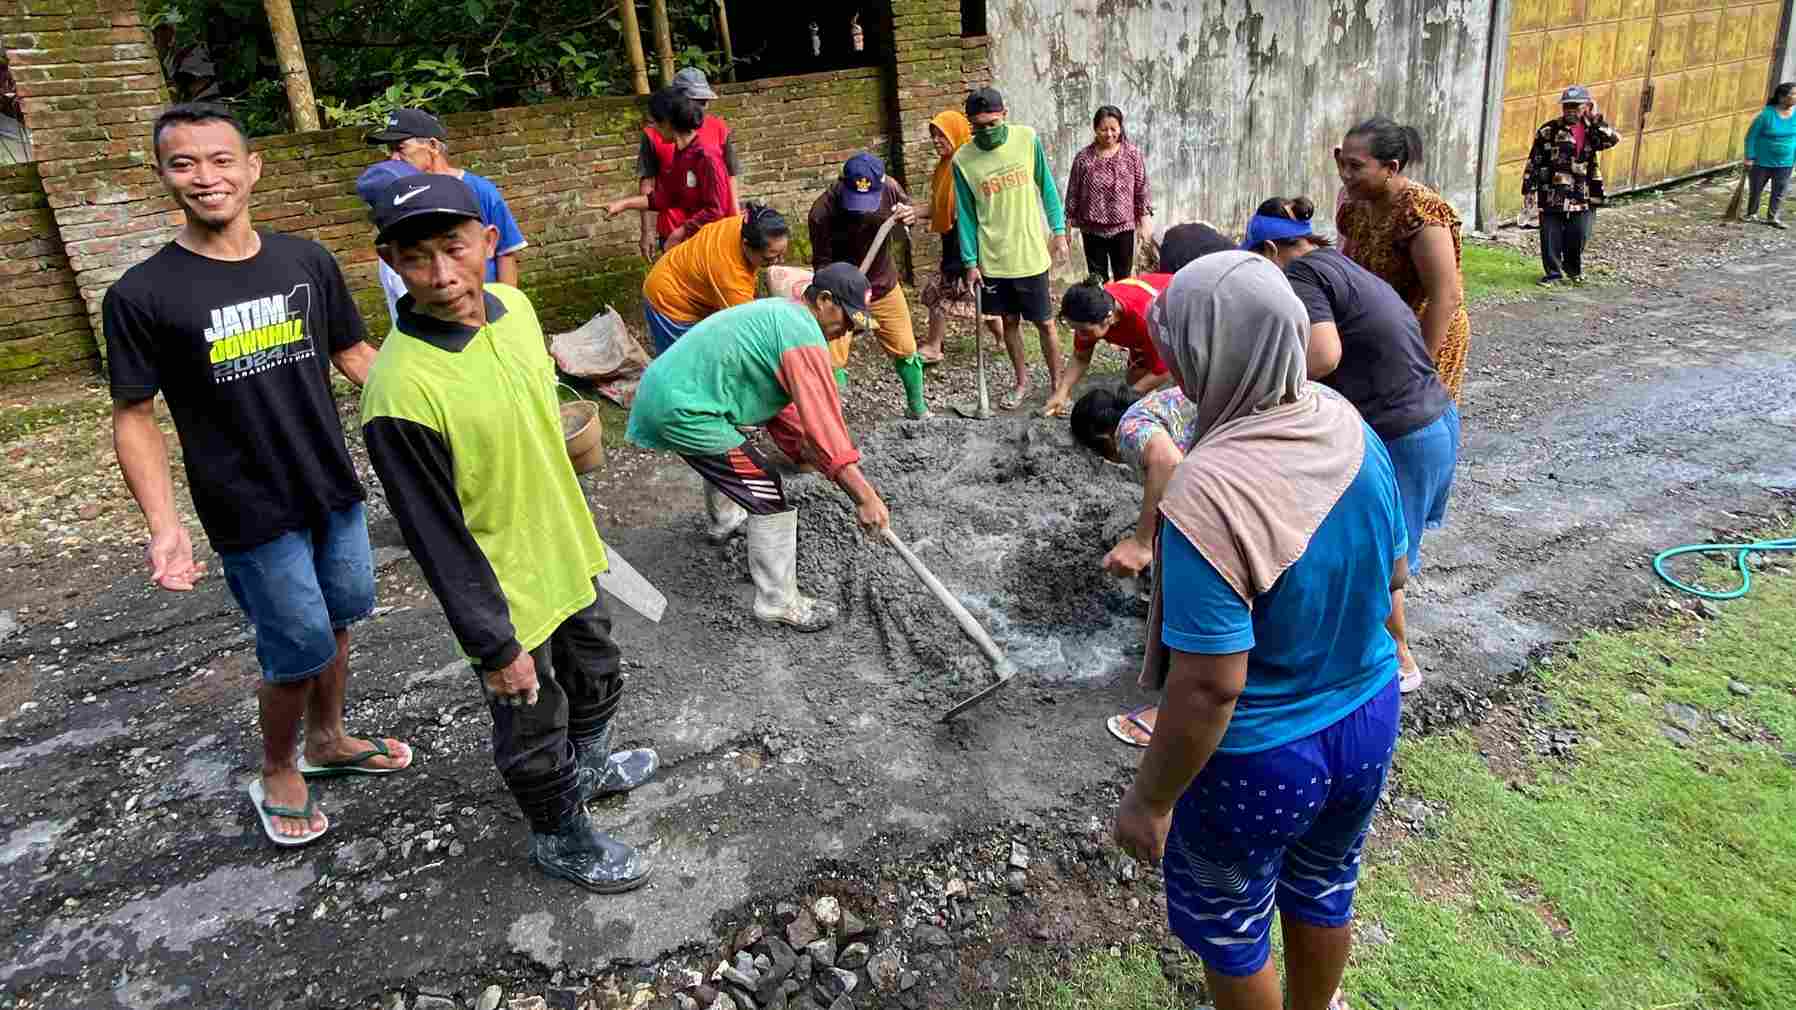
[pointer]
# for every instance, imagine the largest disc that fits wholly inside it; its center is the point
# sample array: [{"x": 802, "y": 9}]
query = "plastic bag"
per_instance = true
[{"x": 601, "y": 350}]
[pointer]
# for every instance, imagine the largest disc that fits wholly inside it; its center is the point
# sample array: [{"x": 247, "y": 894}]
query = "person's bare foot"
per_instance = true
[
  {"x": 287, "y": 788},
  {"x": 321, "y": 752}
]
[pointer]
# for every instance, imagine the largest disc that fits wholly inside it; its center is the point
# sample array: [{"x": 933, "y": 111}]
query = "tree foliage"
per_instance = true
[{"x": 369, "y": 56}]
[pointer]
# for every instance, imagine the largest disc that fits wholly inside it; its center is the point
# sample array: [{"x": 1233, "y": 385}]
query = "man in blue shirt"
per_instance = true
[{"x": 417, "y": 138}]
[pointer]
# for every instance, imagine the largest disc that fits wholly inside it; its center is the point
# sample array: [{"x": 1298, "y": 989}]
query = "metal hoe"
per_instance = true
[
  {"x": 1002, "y": 671},
  {"x": 984, "y": 413}
]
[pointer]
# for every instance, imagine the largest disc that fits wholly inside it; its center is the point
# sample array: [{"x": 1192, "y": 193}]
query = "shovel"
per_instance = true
[
  {"x": 984, "y": 413},
  {"x": 630, "y": 588},
  {"x": 1002, "y": 671}
]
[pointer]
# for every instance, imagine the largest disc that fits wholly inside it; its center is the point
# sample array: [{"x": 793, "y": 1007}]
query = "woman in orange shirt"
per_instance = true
[{"x": 711, "y": 271}]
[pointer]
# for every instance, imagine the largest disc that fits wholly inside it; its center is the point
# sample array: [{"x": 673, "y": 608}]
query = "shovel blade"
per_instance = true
[{"x": 990, "y": 689}]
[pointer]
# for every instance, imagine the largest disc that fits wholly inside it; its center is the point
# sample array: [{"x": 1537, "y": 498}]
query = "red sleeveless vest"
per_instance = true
[{"x": 713, "y": 131}]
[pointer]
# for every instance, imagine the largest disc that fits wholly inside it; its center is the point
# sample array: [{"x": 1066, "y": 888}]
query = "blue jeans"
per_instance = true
[
  {"x": 1280, "y": 828},
  {"x": 299, "y": 589},
  {"x": 1424, "y": 461}
]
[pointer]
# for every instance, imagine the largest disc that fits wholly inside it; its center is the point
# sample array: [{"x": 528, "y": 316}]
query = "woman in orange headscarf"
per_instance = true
[{"x": 947, "y": 295}]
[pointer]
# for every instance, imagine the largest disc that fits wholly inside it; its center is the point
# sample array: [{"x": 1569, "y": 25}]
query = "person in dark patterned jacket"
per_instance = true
[{"x": 1565, "y": 182}]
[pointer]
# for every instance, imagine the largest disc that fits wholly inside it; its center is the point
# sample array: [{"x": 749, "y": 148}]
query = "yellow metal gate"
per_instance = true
[{"x": 1681, "y": 80}]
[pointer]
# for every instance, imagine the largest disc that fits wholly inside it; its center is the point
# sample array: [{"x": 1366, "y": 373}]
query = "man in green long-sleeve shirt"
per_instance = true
[{"x": 1003, "y": 189}]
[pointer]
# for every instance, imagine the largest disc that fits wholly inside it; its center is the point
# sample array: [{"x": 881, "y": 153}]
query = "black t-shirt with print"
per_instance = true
[
  {"x": 1385, "y": 370},
  {"x": 241, "y": 350}
]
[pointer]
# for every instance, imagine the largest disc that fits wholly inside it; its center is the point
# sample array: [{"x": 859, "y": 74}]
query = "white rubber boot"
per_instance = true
[
  {"x": 773, "y": 562},
  {"x": 726, "y": 516}
]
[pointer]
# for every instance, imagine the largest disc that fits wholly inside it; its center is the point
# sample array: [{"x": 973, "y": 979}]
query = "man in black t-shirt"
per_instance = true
[{"x": 238, "y": 330}]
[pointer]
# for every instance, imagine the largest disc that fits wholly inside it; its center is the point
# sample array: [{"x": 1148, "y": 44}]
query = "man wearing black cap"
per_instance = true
[
  {"x": 1003, "y": 187},
  {"x": 744, "y": 367},
  {"x": 463, "y": 426},
  {"x": 417, "y": 138},
  {"x": 655, "y": 157},
  {"x": 844, "y": 221},
  {"x": 237, "y": 329}
]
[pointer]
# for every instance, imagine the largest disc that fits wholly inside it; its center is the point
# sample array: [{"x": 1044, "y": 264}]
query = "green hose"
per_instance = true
[{"x": 1740, "y": 552}]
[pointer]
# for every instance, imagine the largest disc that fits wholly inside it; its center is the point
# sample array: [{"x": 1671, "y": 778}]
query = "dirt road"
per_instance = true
[{"x": 1600, "y": 425}]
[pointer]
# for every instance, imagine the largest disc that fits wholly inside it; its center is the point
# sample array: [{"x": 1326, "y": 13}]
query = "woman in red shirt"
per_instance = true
[
  {"x": 1114, "y": 313},
  {"x": 700, "y": 190}
]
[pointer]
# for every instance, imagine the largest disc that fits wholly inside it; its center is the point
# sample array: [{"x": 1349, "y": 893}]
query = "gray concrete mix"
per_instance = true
[{"x": 1600, "y": 425}]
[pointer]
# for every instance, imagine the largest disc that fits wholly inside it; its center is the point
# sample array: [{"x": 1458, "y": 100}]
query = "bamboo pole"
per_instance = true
[
  {"x": 292, "y": 58},
  {"x": 663, "y": 40},
  {"x": 639, "y": 68},
  {"x": 723, "y": 31}
]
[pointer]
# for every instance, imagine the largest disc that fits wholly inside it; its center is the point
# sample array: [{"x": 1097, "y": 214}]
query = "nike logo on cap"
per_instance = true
[{"x": 408, "y": 194}]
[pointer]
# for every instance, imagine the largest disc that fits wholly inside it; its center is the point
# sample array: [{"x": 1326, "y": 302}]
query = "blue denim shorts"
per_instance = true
[
  {"x": 1424, "y": 461},
  {"x": 299, "y": 589},
  {"x": 1278, "y": 828}
]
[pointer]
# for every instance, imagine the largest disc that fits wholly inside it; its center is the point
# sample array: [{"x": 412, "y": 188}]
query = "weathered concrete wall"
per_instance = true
[{"x": 1234, "y": 101}]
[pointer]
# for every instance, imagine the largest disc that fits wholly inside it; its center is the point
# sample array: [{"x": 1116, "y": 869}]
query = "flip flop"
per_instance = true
[
  {"x": 267, "y": 812},
  {"x": 354, "y": 765},
  {"x": 1408, "y": 680},
  {"x": 1115, "y": 725},
  {"x": 1012, "y": 400},
  {"x": 1338, "y": 1001}
]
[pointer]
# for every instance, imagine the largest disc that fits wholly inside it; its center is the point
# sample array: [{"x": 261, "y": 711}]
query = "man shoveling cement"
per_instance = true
[
  {"x": 740, "y": 368},
  {"x": 462, "y": 425}
]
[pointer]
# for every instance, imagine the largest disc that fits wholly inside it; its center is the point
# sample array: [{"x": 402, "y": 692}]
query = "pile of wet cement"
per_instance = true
[{"x": 1013, "y": 517}]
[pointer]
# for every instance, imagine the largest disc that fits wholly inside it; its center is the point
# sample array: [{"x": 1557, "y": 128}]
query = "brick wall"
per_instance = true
[
  {"x": 43, "y": 321},
  {"x": 556, "y": 164},
  {"x": 89, "y": 84},
  {"x": 91, "y": 88}
]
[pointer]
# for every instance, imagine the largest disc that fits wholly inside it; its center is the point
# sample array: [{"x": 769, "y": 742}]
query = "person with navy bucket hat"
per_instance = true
[
  {"x": 369, "y": 185},
  {"x": 844, "y": 224}
]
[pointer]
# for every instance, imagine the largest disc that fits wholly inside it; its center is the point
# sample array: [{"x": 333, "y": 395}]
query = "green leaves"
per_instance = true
[{"x": 368, "y": 56}]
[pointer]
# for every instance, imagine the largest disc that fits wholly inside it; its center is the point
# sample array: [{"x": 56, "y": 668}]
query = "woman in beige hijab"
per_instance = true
[{"x": 1281, "y": 538}]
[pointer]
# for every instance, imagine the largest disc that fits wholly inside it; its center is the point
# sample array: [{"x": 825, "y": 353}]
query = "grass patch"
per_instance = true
[
  {"x": 1099, "y": 980},
  {"x": 1492, "y": 271},
  {"x": 1637, "y": 873},
  {"x": 17, "y": 421}
]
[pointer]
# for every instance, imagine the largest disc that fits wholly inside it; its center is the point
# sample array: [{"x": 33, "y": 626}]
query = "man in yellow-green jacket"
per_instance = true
[{"x": 463, "y": 427}]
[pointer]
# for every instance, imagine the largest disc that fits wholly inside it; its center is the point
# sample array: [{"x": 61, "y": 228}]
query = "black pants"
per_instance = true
[
  {"x": 1777, "y": 177},
  {"x": 1111, "y": 257},
  {"x": 1562, "y": 238},
  {"x": 579, "y": 690},
  {"x": 744, "y": 476}
]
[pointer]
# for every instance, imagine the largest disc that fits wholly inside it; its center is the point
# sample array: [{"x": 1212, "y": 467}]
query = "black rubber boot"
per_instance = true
[
  {"x": 605, "y": 774},
  {"x": 581, "y": 853},
  {"x": 602, "y": 773}
]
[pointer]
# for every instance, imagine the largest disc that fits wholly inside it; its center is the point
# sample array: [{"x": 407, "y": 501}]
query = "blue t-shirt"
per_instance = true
[
  {"x": 1316, "y": 644},
  {"x": 494, "y": 211}
]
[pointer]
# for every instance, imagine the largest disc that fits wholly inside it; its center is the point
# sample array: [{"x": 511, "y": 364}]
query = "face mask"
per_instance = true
[{"x": 989, "y": 138}]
